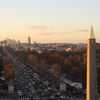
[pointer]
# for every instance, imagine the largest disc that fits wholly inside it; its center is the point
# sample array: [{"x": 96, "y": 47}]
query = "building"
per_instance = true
[
  {"x": 61, "y": 48},
  {"x": 29, "y": 40},
  {"x": 68, "y": 49},
  {"x": 19, "y": 48},
  {"x": 37, "y": 48}
]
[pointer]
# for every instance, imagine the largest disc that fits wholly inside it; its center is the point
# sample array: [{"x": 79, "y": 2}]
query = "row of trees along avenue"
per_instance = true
[{"x": 8, "y": 68}]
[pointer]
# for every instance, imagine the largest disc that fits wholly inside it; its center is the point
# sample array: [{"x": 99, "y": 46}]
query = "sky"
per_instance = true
[{"x": 49, "y": 21}]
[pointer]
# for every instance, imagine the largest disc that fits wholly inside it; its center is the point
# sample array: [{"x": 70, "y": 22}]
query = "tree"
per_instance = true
[
  {"x": 75, "y": 60},
  {"x": 85, "y": 57},
  {"x": 75, "y": 72},
  {"x": 56, "y": 67},
  {"x": 6, "y": 60},
  {"x": 9, "y": 71},
  {"x": 43, "y": 62},
  {"x": 32, "y": 59},
  {"x": 66, "y": 68}
]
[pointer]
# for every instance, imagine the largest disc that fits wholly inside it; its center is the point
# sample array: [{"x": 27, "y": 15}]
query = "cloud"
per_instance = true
[
  {"x": 18, "y": 23},
  {"x": 75, "y": 31},
  {"x": 39, "y": 28},
  {"x": 53, "y": 32},
  {"x": 66, "y": 32},
  {"x": 82, "y": 30},
  {"x": 45, "y": 33}
]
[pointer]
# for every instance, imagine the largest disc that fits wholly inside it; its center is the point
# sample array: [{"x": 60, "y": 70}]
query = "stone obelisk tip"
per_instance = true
[{"x": 91, "y": 34}]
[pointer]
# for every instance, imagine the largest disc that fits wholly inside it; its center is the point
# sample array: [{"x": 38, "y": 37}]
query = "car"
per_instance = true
[
  {"x": 18, "y": 91},
  {"x": 27, "y": 76},
  {"x": 40, "y": 90},
  {"x": 33, "y": 91},
  {"x": 52, "y": 97},
  {"x": 20, "y": 94},
  {"x": 30, "y": 95},
  {"x": 22, "y": 82},
  {"x": 62, "y": 97},
  {"x": 49, "y": 88},
  {"x": 42, "y": 94},
  {"x": 58, "y": 93},
  {"x": 33, "y": 83},
  {"x": 40, "y": 86},
  {"x": 35, "y": 74},
  {"x": 18, "y": 81},
  {"x": 29, "y": 84},
  {"x": 37, "y": 98},
  {"x": 84, "y": 94},
  {"x": 45, "y": 90}
]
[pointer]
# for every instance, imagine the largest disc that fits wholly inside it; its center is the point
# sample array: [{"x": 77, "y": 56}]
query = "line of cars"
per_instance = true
[
  {"x": 26, "y": 89},
  {"x": 23, "y": 88}
]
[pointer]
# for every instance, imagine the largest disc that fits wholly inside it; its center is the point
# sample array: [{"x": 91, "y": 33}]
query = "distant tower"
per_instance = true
[
  {"x": 29, "y": 40},
  {"x": 18, "y": 42},
  {"x": 91, "y": 91}
]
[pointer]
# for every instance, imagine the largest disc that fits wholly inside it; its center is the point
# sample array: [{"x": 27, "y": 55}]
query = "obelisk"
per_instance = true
[{"x": 91, "y": 85}]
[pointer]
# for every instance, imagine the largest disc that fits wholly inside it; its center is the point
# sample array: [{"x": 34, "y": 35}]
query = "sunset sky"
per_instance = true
[{"x": 49, "y": 21}]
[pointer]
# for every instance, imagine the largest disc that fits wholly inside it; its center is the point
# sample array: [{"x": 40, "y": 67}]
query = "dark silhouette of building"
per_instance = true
[{"x": 29, "y": 40}]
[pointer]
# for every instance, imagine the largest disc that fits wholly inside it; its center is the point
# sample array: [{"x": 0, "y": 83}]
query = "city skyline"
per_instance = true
[{"x": 49, "y": 21}]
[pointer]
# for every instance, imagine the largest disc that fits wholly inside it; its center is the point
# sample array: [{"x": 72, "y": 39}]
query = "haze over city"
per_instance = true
[{"x": 48, "y": 21}]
